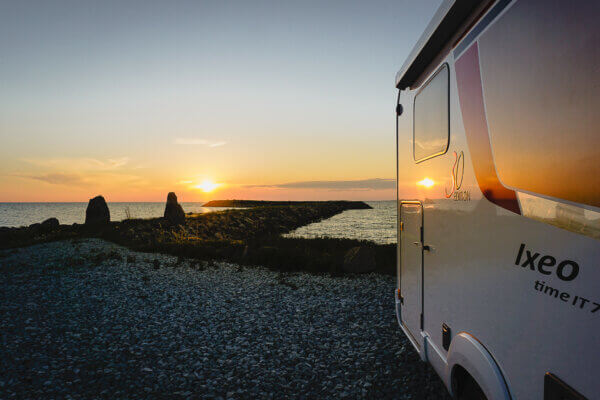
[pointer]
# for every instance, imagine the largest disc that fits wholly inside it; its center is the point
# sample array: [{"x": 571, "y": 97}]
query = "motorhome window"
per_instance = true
[
  {"x": 542, "y": 109},
  {"x": 431, "y": 117}
]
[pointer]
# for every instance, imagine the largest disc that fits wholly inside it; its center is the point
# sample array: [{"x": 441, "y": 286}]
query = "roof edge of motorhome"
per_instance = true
[{"x": 447, "y": 19}]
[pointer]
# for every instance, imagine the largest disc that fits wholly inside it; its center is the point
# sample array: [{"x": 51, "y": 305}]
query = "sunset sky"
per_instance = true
[{"x": 269, "y": 100}]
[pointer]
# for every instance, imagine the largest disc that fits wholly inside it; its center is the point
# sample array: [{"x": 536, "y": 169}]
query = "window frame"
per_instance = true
[{"x": 445, "y": 66}]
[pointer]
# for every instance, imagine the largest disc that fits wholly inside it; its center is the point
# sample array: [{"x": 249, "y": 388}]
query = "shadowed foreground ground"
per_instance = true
[{"x": 88, "y": 318}]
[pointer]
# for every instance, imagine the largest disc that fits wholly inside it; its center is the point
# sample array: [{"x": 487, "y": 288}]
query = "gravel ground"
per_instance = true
[{"x": 89, "y": 319}]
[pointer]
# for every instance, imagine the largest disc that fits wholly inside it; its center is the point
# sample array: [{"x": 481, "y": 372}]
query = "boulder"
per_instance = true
[
  {"x": 359, "y": 260},
  {"x": 97, "y": 212},
  {"x": 49, "y": 225},
  {"x": 173, "y": 211},
  {"x": 35, "y": 228}
]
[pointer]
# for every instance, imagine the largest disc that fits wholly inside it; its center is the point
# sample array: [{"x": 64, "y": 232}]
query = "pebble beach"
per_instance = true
[{"x": 86, "y": 318}]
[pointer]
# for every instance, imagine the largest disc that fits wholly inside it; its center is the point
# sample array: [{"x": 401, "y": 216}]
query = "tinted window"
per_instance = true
[
  {"x": 431, "y": 117},
  {"x": 539, "y": 67}
]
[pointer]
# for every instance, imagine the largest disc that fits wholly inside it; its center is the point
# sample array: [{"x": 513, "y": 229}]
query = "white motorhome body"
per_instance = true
[{"x": 498, "y": 167}]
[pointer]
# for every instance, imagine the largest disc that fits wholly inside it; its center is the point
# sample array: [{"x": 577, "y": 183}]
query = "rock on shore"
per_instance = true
[
  {"x": 173, "y": 211},
  {"x": 90, "y": 319},
  {"x": 97, "y": 212}
]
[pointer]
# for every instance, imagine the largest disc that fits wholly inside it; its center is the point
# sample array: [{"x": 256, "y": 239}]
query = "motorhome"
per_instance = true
[{"x": 498, "y": 174}]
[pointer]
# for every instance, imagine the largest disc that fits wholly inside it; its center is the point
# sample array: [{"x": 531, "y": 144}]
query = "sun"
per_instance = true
[
  {"x": 207, "y": 186},
  {"x": 427, "y": 182}
]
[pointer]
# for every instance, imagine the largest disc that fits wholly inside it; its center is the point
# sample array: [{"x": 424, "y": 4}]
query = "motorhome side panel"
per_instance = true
[{"x": 510, "y": 207}]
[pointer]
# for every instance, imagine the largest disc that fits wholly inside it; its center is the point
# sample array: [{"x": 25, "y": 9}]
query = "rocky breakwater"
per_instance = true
[
  {"x": 347, "y": 205},
  {"x": 247, "y": 236},
  {"x": 253, "y": 236}
]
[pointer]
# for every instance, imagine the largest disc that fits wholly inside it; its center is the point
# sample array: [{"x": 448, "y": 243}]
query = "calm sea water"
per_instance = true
[{"x": 378, "y": 224}]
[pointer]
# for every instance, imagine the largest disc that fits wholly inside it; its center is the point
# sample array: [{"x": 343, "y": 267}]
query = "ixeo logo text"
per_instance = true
[
  {"x": 545, "y": 264},
  {"x": 457, "y": 175}
]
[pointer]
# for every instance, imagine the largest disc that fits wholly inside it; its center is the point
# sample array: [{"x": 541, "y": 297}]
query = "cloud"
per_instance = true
[
  {"x": 79, "y": 164},
  {"x": 113, "y": 163},
  {"x": 58, "y": 179},
  {"x": 196, "y": 141},
  {"x": 84, "y": 172},
  {"x": 364, "y": 184},
  {"x": 190, "y": 141},
  {"x": 99, "y": 179}
]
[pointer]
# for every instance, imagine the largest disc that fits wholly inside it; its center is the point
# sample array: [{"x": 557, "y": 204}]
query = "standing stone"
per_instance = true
[
  {"x": 173, "y": 210},
  {"x": 97, "y": 212}
]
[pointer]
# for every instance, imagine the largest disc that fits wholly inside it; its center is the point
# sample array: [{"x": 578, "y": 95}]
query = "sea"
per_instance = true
[{"x": 377, "y": 224}]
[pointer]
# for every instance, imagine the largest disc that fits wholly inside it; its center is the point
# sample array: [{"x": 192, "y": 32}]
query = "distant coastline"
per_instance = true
[{"x": 346, "y": 204}]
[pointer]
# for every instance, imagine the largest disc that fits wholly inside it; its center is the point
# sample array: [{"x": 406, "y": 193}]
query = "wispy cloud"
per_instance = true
[
  {"x": 197, "y": 141},
  {"x": 364, "y": 184},
  {"x": 103, "y": 178},
  {"x": 190, "y": 141},
  {"x": 79, "y": 163},
  {"x": 113, "y": 163},
  {"x": 58, "y": 179}
]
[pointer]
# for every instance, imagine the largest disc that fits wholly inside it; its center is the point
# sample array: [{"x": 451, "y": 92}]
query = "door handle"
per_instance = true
[{"x": 426, "y": 247}]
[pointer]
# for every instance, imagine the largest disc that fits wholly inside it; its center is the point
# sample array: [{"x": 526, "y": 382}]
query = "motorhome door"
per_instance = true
[{"x": 411, "y": 266}]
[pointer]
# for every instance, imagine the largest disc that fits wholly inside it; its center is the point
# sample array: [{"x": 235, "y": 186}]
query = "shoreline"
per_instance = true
[{"x": 246, "y": 235}]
